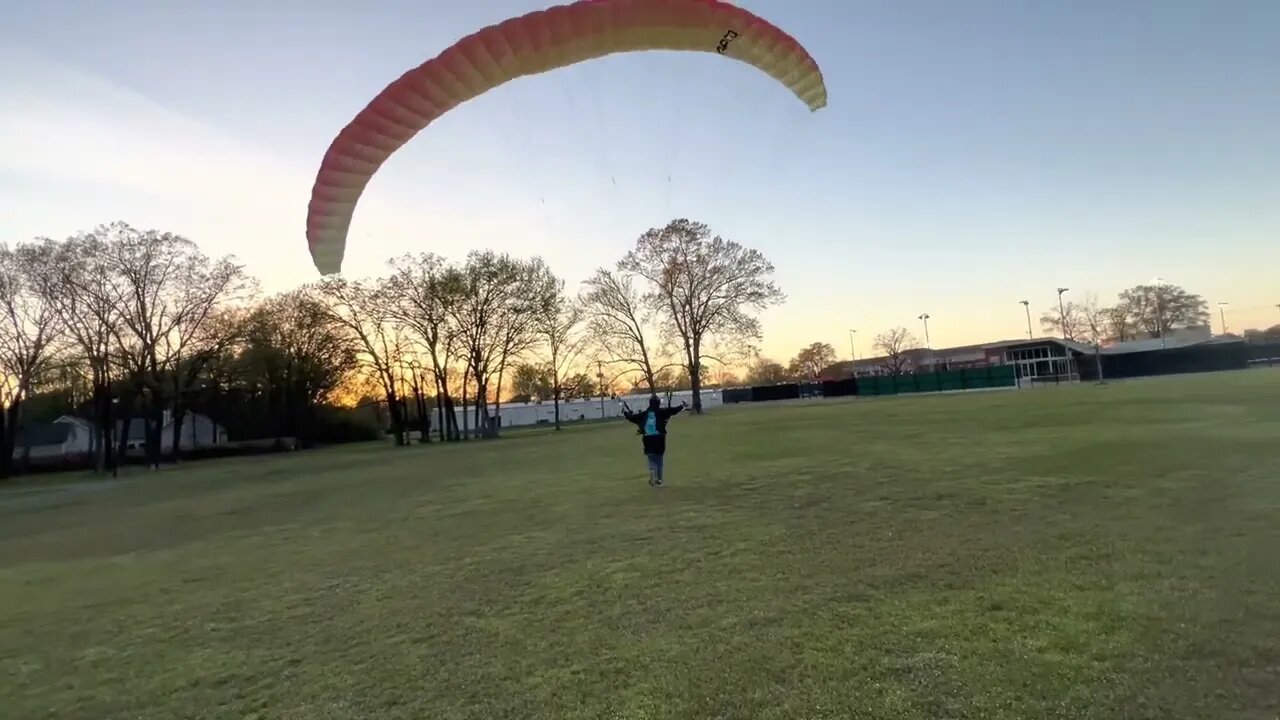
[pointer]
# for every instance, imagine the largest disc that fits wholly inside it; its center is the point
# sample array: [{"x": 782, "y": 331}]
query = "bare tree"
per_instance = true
[
  {"x": 168, "y": 291},
  {"x": 207, "y": 321},
  {"x": 1062, "y": 319},
  {"x": 706, "y": 289},
  {"x": 1095, "y": 324},
  {"x": 29, "y": 332},
  {"x": 559, "y": 328},
  {"x": 78, "y": 282},
  {"x": 360, "y": 308},
  {"x": 894, "y": 345},
  {"x": 192, "y": 352},
  {"x": 419, "y": 292},
  {"x": 620, "y": 324},
  {"x": 1120, "y": 323}
]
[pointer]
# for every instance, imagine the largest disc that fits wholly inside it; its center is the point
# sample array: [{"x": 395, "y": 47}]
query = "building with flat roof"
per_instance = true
[{"x": 1047, "y": 359}]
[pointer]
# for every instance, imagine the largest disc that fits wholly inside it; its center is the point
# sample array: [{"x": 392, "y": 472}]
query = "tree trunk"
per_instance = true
[
  {"x": 556, "y": 400},
  {"x": 397, "y": 416},
  {"x": 8, "y": 437},
  {"x": 126, "y": 422},
  {"x": 466, "y": 426},
  {"x": 1097, "y": 356},
  {"x": 496, "y": 430},
  {"x": 441, "y": 403},
  {"x": 279, "y": 423},
  {"x": 100, "y": 437},
  {"x": 451, "y": 418},
  {"x": 155, "y": 432},
  {"x": 177, "y": 435},
  {"x": 695, "y": 375},
  {"x": 424, "y": 414},
  {"x": 213, "y": 413}
]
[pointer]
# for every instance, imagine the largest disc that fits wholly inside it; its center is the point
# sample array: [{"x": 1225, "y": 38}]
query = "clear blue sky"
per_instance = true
[{"x": 973, "y": 153}]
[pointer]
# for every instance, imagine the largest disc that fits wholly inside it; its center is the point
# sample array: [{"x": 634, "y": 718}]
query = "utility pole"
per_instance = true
[
  {"x": 925, "y": 318},
  {"x": 1222, "y": 313},
  {"x": 1026, "y": 305},
  {"x": 600, "y": 380},
  {"x": 853, "y": 349},
  {"x": 1062, "y": 312}
]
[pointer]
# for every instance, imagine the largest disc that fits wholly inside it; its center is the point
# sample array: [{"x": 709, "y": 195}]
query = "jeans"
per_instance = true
[{"x": 655, "y": 466}]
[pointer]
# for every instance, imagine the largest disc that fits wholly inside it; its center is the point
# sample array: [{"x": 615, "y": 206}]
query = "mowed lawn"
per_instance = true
[{"x": 1075, "y": 552}]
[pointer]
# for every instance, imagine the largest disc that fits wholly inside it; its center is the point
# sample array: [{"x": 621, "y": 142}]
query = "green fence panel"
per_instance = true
[{"x": 1004, "y": 376}]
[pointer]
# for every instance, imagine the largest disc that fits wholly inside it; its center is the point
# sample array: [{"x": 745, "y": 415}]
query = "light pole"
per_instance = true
[
  {"x": 1062, "y": 311},
  {"x": 1222, "y": 313},
  {"x": 1026, "y": 305},
  {"x": 853, "y": 349},
  {"x": 925, "y": 318}
]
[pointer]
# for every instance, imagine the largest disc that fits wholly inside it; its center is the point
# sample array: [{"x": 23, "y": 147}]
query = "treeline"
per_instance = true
[{"x": 130, "y": 325}]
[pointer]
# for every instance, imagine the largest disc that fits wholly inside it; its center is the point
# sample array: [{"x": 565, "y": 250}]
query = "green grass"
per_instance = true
[{"x": 1083, "y": 552}]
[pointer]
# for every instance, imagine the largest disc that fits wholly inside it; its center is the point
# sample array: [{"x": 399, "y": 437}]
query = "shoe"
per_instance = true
[{"x": 653, "y": 481}]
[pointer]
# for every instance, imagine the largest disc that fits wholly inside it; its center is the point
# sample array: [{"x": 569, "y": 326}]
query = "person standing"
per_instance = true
[{"x": 652, "y": 425}]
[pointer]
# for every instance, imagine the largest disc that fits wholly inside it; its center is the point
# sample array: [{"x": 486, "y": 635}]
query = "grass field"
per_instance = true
[{"x": 1082, "y": 552}]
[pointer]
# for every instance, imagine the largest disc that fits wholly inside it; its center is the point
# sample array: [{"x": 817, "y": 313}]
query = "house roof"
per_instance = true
[
  {"x": 39, "y": 434},
  {"x": 1071, "y": 345},
  {"x": 1149, "y": 344}
]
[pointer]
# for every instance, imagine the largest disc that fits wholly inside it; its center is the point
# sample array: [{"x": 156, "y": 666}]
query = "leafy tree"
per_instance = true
[
  {"x": 725, "y": 378},
  {"x": 1269, "y": 335},
  {"x": 768, "y": 372},
  {"x": 530, "y": 383},
  {"x": 894, "y": 345},
  {"x": 705, "y": 289},
  {"x": 525, "y": 323},
  {"x": 301, "y": 356},
  {"x": 497, "y": 302},
  {"x": 1158, "y": 309},
  {"x": 812, "y": 360}
]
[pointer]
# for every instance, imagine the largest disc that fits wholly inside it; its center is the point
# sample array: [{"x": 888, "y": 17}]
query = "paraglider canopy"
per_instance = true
[{"x": 530, "y": 44}]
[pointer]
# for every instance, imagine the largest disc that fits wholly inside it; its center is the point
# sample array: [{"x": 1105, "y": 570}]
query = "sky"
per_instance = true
[{"x": 972, "y": 154}]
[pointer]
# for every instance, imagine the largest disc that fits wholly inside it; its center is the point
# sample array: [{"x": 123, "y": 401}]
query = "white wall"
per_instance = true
[
  {"x": 78, "y": 441},
  {"x": 197, "y": 432},
  {"x": 518, "y": 415}
]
